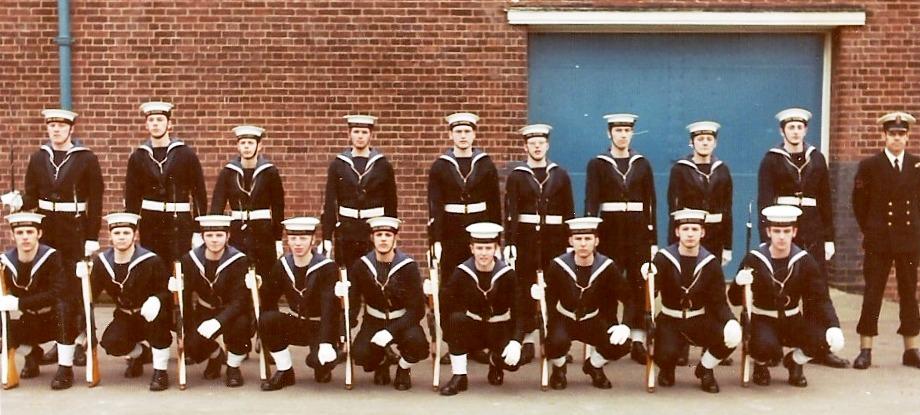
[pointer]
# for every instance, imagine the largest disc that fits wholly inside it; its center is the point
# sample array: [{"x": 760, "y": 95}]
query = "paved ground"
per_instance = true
[{"x": 886, "y": 387}]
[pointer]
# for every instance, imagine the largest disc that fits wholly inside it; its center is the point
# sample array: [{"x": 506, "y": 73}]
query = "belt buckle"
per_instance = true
[
  {"x": 466, "y": 209},
  {"x": 166, "y": 207}
]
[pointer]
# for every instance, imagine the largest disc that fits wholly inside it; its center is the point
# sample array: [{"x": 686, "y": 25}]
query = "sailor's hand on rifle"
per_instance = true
[
  {"x": 436, "y": 250},
  {"x": 428, "y": 287},
  {"x": 9, "y": 303},
  {"x": 834, "y": 337},
  {"x": 252, "y": 280},
  {"x": 82, "y": 270},
  {"x": 197, "y": 240},
  {"x": 325, "y": 248},
  {"x": 279, "y": 249},
  {"x": 90, "y": 248},
  {"x": 537, "y": 292},
  {"x": 175, "y": 284},
  {"x": 13, "y": 200},
  {"x": 341, "y": 288},
  {"x": 326, "y": 353},
  {"x": 653, "y": 250},
  {"x": 647, "y": 270},
  {"x": 382, "y": 338},
  {"x": 744, "y": 277},
  {"x": 151, "y": 308},
  {"x": 512, "y": 353},
  {"x": 510, "y": 252},
  {"x": 726, "y": 256},
  {"x": 829, "y": 250},
  {"x": 731, "y": 334},
  {"x": 207, "y": 328},
  {"x": 618, "y": 334}
]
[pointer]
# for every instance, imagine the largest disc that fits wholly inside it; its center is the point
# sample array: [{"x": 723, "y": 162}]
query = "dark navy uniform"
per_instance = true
[{"x": 705, "y": 187}]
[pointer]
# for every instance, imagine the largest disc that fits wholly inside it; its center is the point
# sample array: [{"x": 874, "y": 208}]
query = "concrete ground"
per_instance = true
[{"x": 888, "y": 387}]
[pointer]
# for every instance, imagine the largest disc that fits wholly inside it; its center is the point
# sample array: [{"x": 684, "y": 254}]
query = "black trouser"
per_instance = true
[
  {"x": 673, "y": 334},
  {"x": 876, "y": 266},
  {"x": 411, "y": 343},
  {"x": 551, "y": 243},
  {"x": 769, "y": 335},
  {"x": 593, "y": 331},
  {"x": 35, "y": 328},
  {"x": 471, "y": 335},
  {"x": 349, "y": 251},
  {"x": 60, "y": 231},
  {"x": 257, "y": 242},
  {"x": 128, "y": 329},
  {"x": 630, "y": 260},
  {"x": 166, "y": 236},
  {"x": 279, "y": 330},
  {"x": 237, "y": 334}
]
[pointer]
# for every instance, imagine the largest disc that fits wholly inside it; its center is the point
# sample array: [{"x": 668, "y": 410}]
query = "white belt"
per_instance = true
[
  {"x": 682, "y": 314},
  {"x": 535, "y": 219},
  {"x": 61, "y": 206},
  {"x": 772, "y": 313},
  {"x": 796, "y": 201},
  {"x": 494, "y": 319},
  {"x": 571, "y": 315},
  {"x": 360, "y": 213},
  {"x": 251, "y": 214},
  {"x": 375, "y": 313},
  {"x": 158, "y": 206},
  {"x": 714, "y": 218},
  {"x": 465, "y": 209},
  {"x": 621, "y": 207}
]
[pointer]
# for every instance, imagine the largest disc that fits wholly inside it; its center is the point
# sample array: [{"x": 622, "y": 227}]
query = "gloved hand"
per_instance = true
[
  {"x": 436, "y": 250},
  {"x": 726, "y": 256},
  {"x": 325, "y": 354},
  {"x": 151, "y": 308},
  {"x": 569, "y": 249},
  {"x": 382, "y": 338},
  {"x": 175, "y": 285},
  {"x": 207, "y": 328},
  {"x": 647, "y": 270},
  {"x": 325, "y": 248},
  {"x": 427, "y": 287},
  {"x": 252, "y": 280},
  {"x": 197, "y": 240},
  {"x": 731, "y": 333},
  {"x": 279, "y": 249},
  {"x": 512, "y": 353},
  {"x": 341, "y": 288},
  {"x": 537, "y": 292},
  {"x": 90, "y": 247},
  {"x": 618, "y": 334},
  {"x": 82, "y": 270},
  {"x": 829, "y": 251},
  {"x": 13, "y": 200},
  {"x": 654, "y": 251},
  {"x": 744, "y": 277},
  {"x": 9, "y": 303},
  {"x": 510, "y": 252},
  {"x": 834, "y": 337}
]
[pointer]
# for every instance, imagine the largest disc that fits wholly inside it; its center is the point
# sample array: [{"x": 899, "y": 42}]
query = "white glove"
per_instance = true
[
  {"x": 647, "y": 270},
  {"x": 82, "y": 270},
  {"x": 569, "y": 249},
  {"x": 732, "y": 333},
  {"x": 175, "y": 285},
  {"x": 90, "y": 247},
  {"x": 654, "y": 250},
  {"x": 151, "y": 308},
  {"x": 325, "y": 354},
  {"x": 197, "y": 240},
  {"x": 207, "y": 328},
  {"x": 427, "y": 287},
  {"x": 325, "y": 248},
  {"x": 726, "y": 256},
  {"x": 834, "y": 337},
  {"x": 744, "y": 277},
  {"x": 279, "y": 249},
  {"x": 12, "y": 199},
  {"x": 537, "y": 292},
  {"x": 382, "y": 338},
  {"x": 510, "y": 251},
  {"x": 341, "y": 288},
  {"x": 436, "y": 249},
  {"x": 618, "y": 334},
  {"x": 829, "y": 251},
  {"x": 512, "y": 353},
  {"x": 9, "y": 303},
  {"x": 252, "y": 280}
]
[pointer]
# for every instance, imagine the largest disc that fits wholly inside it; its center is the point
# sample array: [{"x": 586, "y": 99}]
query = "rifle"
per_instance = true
[
  {"x": 346, "y": 341},
  {"x": 92, "y": 365},
  {"x": 179, "y": 299},
  {"x": 541, "y": 304},
  {"x": 434, "y": 285},
  {"x": 747, "y": 303},
  {"x": 9, "y": 372},
  {"x": 650, "y": 325},
  {"x": 256, "y": 304}
]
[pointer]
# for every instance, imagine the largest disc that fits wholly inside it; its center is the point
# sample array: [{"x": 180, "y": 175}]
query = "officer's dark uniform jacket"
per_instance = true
[
  {"x": 779, "y": 177},
  {"x": 887, "y": 204},
  {"x": 147, "y": 276},
  {"x": 501, "y": 302},
  {"x": 624, "y": 199},
  {"x": 46, "y": 285},
  {"x": 391, "y": 297},
  {"x": 310, "y": 297},
  {"x": 352, "y": 196},
  {"x": 478, "y": 194},
  {"x": 567, "y": 300},
  {"x": 691, "y": 188},
  {"x": 705, "y": 293},
  {"x": 226, "y": 292}
]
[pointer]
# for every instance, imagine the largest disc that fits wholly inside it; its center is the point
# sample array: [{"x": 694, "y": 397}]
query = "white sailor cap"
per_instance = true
[
  {"x": 896, "y": 121},
  {"x": 301, "y": 225},
  {"x": 536, "y": 130},
  {"x": 462, "y": 118},
  {"x": 685, "y": 215},
  {"x": 621, "y": 120},
  {"x": 484, "y": 232},
  {"x": 25, "y": 219},
  {"x": 248, "y": 131},
  {"x": 59, "y": 115},
  {"x": 793, "y": 114},
  {"x": 384, "y": 223},
  {"x": 781, "y": 215},
  {"x": 214, "y": 222},
  {"x": 366, "y": 121},
  {"x": 587, "y": 224},
  {"x": 704, "y": 127},
  {"x": 156, "y": 107},
  {"x": 121, "y": 219}
]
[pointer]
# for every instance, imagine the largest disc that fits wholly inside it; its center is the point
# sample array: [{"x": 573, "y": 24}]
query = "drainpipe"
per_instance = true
[{"x": 64, "y": 40}]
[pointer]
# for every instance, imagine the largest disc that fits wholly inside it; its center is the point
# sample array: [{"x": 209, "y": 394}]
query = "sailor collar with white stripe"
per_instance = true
[
  {"x": 399, "y": 260},
  {"x": 567, "y": 263},
  {"x": 478, "y": 154},
  {"x": 762, "y": 253},
  {"x": 77, "y": 146},
  {"x": 148, "y": 146},
  {"x": 688, "y": 161},
  {"x": 348, "y": 157},
  {"x": 673, "y": 254},
  {"x": 633, "y": 156},
  {"x": 525, "y": 168},
  {"x": 107, "y": 258},
  {"x": 782, "y": 151},
  {"x": 261, "y": 164},
  {"x": 500, "y": 269},
  {"x": 230, "y": 256},
  {"x": 11, "y": 260},
  {"x": 317, "y": 261}
]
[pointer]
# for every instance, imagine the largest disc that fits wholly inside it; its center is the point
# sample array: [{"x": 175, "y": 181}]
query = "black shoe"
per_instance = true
[
  {"x": 638, "y": 353},
  {"x": 279, "y": 380},
  {"x": 136, "y": 365},
  {"x": 49, "y": 357},
  {"x": 403, "y": 379},
  {"x": 796, "y": 372},
  {"x": 598, "y": 378},
  {"x": 911, "y": 357},
  {"x": 557, "y": 378},
  {"x": 159, "y": 381},
  {"x": 79, "y": 356},
  {"x": 761, "y": 375},
  {"x": 323, "y": 374},
  {"x": 528, "y": 352},
  {"x": 457, "y": 384},
  {"x": 666, "y": 376},
  {"x": 707, "y": 379},
  {"x": 63, "y": 379},
  {"x": 445, "y": 360},
  {"x": 569, "y": 358},
  {"x": 831, "y": 360},
  {"x": 33, "y": 361},
  {"x": 233, "y": 377},
  {"x": 480, "y": 356},
  {"x": 496, "y": 375},
  {"x": 382, "y": 374},
  {"x": 212, "y": 370},
  {"x": 864, "y": 360},
  {"x": 683, "y": 359}
]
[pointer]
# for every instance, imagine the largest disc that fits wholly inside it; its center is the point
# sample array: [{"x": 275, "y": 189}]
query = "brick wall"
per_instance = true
[{"x": 295, "y": 67}]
